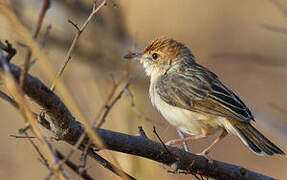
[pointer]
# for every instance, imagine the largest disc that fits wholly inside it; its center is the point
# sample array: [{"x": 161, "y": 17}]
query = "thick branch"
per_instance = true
[
  {"x": 69, "y": 130},
  {"x": 64, "y": 124}
]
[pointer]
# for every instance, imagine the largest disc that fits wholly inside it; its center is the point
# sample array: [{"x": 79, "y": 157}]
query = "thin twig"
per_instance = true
[
  {"x": 280, "y": 7},
  {"x": 24, "y": 129},
  {"x": 41, "y": 120},
  {"x": 44, "y": 160},
  {"x": 274, "y": 28},
  {"x": 17, "y": 93},
  {"x": 73, "y": 166},
  {"x": 67, "y": 58},
  {"x": 154, "y": 131},
  {"x": 8, "y": 99},
  {"x": 110, "y": 106},
  {"x": 278, "y": 108},
  {"x": 84, "y": 154},
  {"x": 110, "y": 166},
  {"x": 22, "y": 137},
  {"x": 45, "y": 7},
  {"x": 44, "y": 63},
  {"x": 45, "y": 36},
  {"x": 87, "y": 151},
  {"x": 110, "y": 95},
  {"x": 135, "y": 145},
  {"x": 141, "y": 132},
  {"x": 74, "y": 24},
  {"x": 138, "y": 113},
  {"x": 86, "y": 126},
  {"x": 9, "y": 49},
  {"x": 74, "y": 148},
  {"x": 75, "y": 40}
]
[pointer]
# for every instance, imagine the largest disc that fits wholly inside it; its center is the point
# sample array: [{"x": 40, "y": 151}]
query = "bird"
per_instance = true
[{"x": 193, "y": 99}]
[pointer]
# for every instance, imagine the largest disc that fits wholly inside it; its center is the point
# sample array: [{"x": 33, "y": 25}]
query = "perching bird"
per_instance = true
[{"x": 194, "y": 100}]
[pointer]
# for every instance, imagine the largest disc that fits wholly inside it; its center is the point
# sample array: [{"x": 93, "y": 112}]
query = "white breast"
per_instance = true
[{"x": 189, "y": 122}]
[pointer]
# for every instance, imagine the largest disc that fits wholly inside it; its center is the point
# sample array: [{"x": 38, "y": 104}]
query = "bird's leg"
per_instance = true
[
  {"x": 185, "y": 146},
  {"x": 211, "y": 146},
  {"x": 189, "y": 138}
]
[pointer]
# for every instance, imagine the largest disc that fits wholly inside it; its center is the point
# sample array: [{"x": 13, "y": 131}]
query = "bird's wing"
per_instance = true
[{"x": 195, "y": 88}]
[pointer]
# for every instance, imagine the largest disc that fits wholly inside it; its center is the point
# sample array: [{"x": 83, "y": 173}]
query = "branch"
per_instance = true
[
  {"x": 75, "y": 40},
  {"x": 18, "y": 95},
  {"x": 74, "y": 167},
  {"x": 109, "y": 107},
  {"x": 280, "y": 7},
  {"x": 69, "y": 130},
  {"x": 141, "y": 146},
  {"x": 46, "y": 5},
  {"x": 66, "y": 129}
]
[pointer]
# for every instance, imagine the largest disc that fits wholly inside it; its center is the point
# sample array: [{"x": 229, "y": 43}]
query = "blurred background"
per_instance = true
[{"x": 243, "y": 42}]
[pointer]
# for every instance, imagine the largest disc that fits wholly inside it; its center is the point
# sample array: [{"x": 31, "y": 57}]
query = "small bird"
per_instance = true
[{"x": 194, "y": 100}]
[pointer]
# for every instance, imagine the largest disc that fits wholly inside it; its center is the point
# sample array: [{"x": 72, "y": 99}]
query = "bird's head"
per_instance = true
[{"x": 160, "y": 55}]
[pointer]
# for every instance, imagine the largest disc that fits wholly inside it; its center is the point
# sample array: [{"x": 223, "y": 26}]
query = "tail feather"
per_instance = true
[{"x": 256, "y": 141}]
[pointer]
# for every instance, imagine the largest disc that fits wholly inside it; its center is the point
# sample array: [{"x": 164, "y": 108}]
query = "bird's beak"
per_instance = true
[{"x": 133, "y": 56}]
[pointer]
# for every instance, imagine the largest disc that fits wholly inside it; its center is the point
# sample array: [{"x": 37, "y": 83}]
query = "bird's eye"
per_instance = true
[{"x": 154, "y": 56}]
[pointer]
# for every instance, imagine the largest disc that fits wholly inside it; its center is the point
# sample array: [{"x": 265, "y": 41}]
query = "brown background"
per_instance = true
[{"x": 243, "y": 42}]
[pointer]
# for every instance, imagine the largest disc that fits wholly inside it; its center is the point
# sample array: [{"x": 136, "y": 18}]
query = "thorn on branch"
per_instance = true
[
  {"x": 141, "y": 132},
  {"x": 24, "y": 129},
  {"x": 9, "y": 49},
  {"x": 74, "y": 24},
  {"x": 154, "y": 131}
]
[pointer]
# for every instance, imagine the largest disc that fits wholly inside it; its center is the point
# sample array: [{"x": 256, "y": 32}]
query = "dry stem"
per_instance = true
[
  {"x": 12, "y": 86},
  {"x": 75, "y": 40},
  {"x": 110, "y": 106}
]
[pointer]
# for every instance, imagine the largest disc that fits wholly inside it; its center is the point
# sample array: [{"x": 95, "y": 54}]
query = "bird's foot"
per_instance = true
[
  {"x": 175, "y": 143},
  {"x": 172, "y": 142}
]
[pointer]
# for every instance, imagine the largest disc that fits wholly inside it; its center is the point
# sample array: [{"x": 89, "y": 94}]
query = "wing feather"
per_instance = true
[{"x": 195, "y": 88}]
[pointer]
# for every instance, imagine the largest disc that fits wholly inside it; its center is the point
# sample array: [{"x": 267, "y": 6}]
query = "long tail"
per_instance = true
[{"x": 256, "y": 141}]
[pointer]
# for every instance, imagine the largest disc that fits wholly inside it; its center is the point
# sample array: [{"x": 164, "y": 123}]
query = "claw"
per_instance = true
[{"x": 172, "y": 143}]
